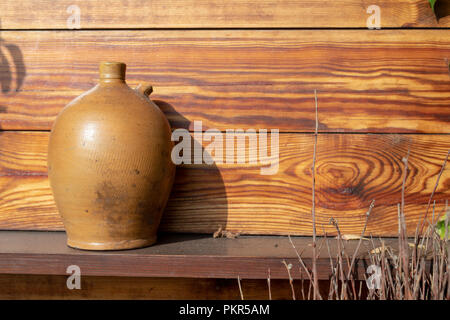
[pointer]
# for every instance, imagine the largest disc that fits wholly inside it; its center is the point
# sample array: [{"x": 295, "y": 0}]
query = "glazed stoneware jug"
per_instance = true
[{"x": 109, "y": 165}]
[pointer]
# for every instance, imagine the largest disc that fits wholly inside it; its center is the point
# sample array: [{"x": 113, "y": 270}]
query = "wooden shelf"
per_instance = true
[{"x": 175, "y": 255}]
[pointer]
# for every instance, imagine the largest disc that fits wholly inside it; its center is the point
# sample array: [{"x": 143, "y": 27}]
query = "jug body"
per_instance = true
[{"x": 109, "y": 165}]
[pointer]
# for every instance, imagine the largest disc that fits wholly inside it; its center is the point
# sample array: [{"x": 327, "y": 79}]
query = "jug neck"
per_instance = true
[{"x": 112, "y": 72}]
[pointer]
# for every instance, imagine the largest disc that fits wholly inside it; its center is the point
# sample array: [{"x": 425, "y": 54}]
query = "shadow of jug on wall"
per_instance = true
[
  {"x": 198, "y": 201},
  {"x": 12, "y": 69}
]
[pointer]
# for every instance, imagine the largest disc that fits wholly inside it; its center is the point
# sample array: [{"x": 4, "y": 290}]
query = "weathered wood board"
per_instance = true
[
  {"x": 351, "y": 170},
  {"x": 48, "y": 14},
  {"x": 394, "y": 81},
  {"x": 49, "y": 287}
]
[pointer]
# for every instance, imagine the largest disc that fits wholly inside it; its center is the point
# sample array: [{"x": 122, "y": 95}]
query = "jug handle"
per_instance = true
[{"x": 145, "y": 89}]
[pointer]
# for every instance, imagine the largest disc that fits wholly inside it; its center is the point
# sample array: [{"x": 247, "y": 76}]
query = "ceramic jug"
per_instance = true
[{"x": 109, "y": 164}]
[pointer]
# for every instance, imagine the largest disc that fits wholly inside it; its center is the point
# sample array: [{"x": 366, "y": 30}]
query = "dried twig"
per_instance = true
[
  {"x": 372, "y": 204},
  {"x": 432, "y": 193},
  {"x": 221, "y": 233},
  {"x": 300, "y": 259},
  {"x": 316, "y": 292},
  {"x": 302, "y": 284},
  {"x": 240, "y": 288},
  {"x": 291, "y": 281},
  {"x": 403, "y": 241},
  {"x": 423, "y": 275}
]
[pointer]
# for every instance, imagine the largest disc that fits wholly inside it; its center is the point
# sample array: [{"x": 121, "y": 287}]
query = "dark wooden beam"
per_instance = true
[{"x": 175, "y": 255}]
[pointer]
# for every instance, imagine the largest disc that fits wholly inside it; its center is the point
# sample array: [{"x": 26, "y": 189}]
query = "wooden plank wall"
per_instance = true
[{"x": 243, "y": 64}]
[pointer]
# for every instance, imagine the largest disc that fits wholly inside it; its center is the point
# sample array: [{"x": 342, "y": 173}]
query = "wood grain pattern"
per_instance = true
[
  {"x": 367, "y": 81},
  {"x": 352, "y": 169},
  {"x": 189, "y": 256},
  {"x": 27, "y": 14},
  {"x": 48, "y": 287}
]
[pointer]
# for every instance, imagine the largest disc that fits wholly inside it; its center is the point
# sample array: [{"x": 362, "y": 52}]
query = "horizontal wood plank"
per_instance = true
[
  {"x": 189, "y": 256},
  {"x": 351, "y": 170},
  {"x": 394, "y": 81},
  {"x": 49, "y": 287},
  {"x": 27, "y": 14}
]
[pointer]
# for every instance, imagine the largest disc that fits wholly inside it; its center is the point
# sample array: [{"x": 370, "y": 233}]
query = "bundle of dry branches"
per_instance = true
[{"x": 418, "y": 269}]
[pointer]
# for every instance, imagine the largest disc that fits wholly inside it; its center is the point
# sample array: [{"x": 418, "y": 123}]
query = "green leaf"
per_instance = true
[
  {"x": 432, "y": 3},
  {"x": 440, "y": 227},
  {"x": 441, "y": 8}
]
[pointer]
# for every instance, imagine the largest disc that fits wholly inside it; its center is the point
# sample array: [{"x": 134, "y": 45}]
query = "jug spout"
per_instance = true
[{"x": 145, "y": 89}]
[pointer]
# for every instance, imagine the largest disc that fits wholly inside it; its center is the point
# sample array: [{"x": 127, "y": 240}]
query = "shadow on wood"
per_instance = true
[
  {"x": 12, "y": 67},
  {"x": 190, "y": 179}
]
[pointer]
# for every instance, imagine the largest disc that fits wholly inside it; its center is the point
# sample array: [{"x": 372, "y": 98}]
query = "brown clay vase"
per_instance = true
[{"x": 109, "y": 165}]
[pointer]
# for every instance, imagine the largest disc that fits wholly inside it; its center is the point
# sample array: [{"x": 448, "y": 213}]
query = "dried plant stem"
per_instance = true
[
  {"x": 448, "y": 268},
  {"x": 372, "y": 204},
  {"x": 240, "y": 288},
  {"x": 300, "y": 259},
  {"x": 302, "y": 284},
  {"x": 422, "y": 272},
  {"x": 316, "y": 292},
  {"x": 418, "y": 279},
  {"x": 447, "y": 247},
  {"x": 291, "y": 281},
  {"x": 333, "y": 283},
  {"x": 403, "y": 241},
  {"x": 432, "y": 193},
  {"x": 268, "y": 285},
  {"x": 360, "y": 290},
  {"x": 383, "y": 295}
]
